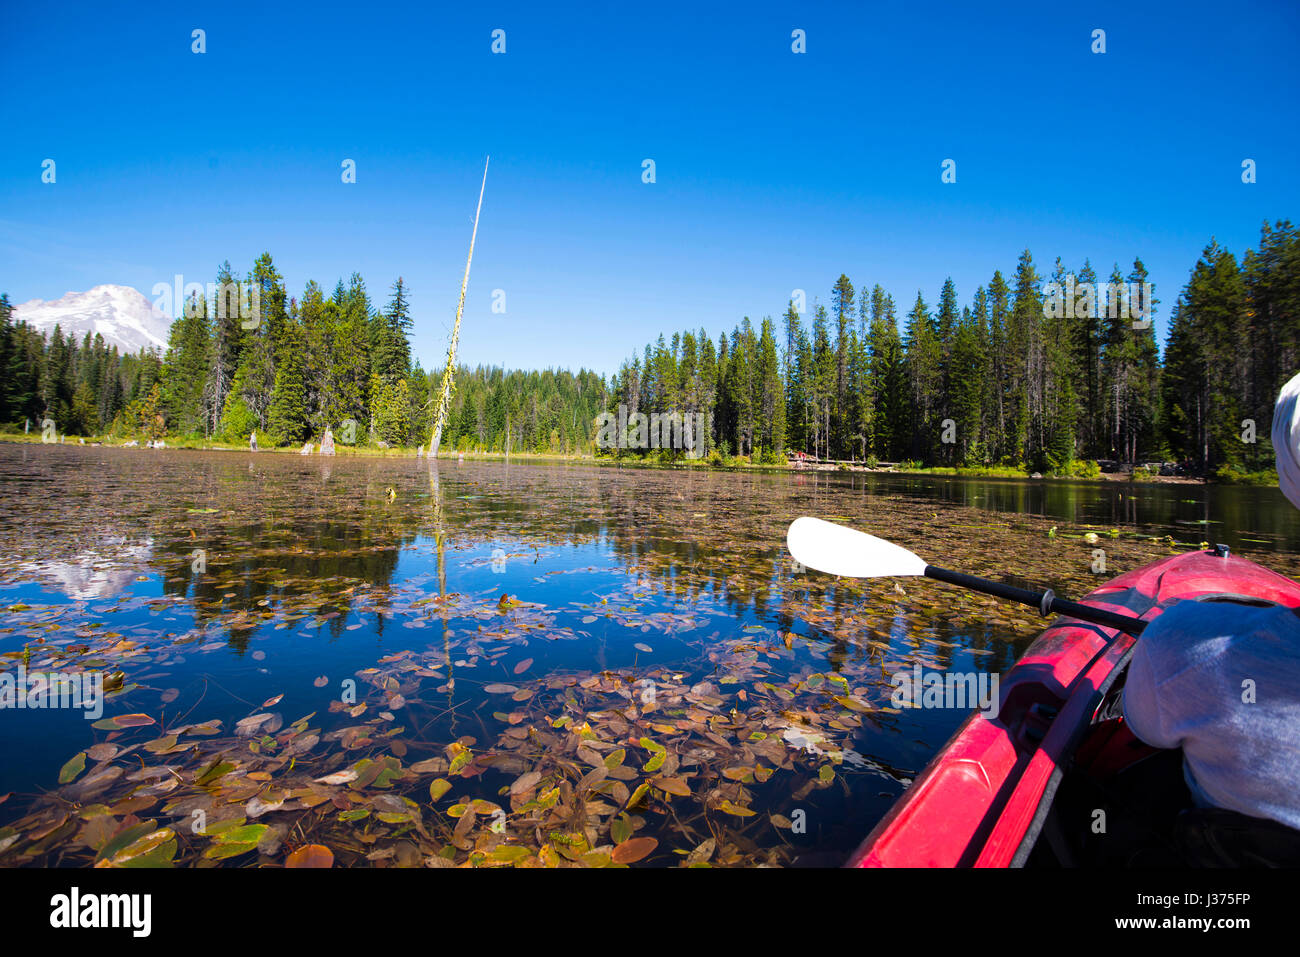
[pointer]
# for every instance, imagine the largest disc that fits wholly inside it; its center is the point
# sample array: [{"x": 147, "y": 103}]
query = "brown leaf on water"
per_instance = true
[
  {"x": 592, "y": 778},
  {"x": 523, "y": 666},
  {"x": 265, "y": 804},
  {"x": 677, "y": 786},
  {"x": 310, "y": 855},
  {"x": 430, "y": 766},
  {"x": 102, "y": 751},
  {"x": 735, "y": 809},
  {"x": 134, "y": 720},
  {"x": 338, "y": 777},
  {"x": 167, "y": 745},
  {"x": 634, "y": 849},
  {"x": 703, "y": 852},
  {"x": 525, "y": 782},
  {"x": 247, "y": 727}
]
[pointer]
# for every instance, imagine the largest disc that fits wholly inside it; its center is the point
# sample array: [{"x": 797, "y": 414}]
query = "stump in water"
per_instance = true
[{"x": 306, "y": 449}]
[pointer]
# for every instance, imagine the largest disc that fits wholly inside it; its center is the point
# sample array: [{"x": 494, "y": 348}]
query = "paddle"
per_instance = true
[{"x": 837, "y": 550}]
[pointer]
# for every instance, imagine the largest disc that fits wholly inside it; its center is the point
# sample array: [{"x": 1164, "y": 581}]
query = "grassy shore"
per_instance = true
[{"x": 713, "y": 462}]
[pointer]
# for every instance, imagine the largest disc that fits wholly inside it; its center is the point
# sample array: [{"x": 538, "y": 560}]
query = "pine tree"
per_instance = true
[
  {"x": 390, "y": 345},
  {"x": 1025, "y": 343},
  {"x": 227, "y": 341},
  {"x": 287, "y": 416},
  {"x": 185, "y": 367},
  {"x": 998, "y": 394},
  {"x": 798, "y": 362},
  {"x": 842, "y": 307},
  {"x": 966, "y": 374},
  {"x": 351, "y": 353},
  {"x": 1206, "y": 363},
  {"x": 1058, "y": 404},
  {"x": 889, "y": 378},
  {"x": 1088, "y": 343},
  {"x": 769, "y": 396},
  {"x": 924, "y": 372},
  {"x": 688, "y": 374},
  {"x": 392, "y": 409},
  {"x": 861, "y": 388},
  {"x": 821, "y": 389},
  {"x": 946, "y": 322}
]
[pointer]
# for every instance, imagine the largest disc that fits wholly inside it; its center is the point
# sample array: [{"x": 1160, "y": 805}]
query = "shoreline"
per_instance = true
[{"x": 343, "y": 451}]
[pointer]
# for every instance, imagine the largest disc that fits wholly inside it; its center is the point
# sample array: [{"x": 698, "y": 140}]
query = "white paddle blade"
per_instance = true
[{"x": 837, "y": 550}]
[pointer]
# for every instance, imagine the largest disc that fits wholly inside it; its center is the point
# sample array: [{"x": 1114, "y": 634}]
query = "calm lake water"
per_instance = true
[{"x": 493, "y": 664}]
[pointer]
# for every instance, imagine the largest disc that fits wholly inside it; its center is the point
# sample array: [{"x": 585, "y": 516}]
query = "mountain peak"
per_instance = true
[{"x": 121, "y": 314}]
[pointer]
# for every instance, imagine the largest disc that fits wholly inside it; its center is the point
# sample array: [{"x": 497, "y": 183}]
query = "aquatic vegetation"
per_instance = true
[{"x": 369, "y": 663}]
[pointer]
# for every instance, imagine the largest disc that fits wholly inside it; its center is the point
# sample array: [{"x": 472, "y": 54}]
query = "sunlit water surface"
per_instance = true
[{"x": 508, "y": 664}]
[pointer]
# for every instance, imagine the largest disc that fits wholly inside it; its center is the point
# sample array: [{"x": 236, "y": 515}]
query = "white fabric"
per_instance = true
[
  {"x": 1220, "y": 681},
  {"x": 1286, "y": 440}
]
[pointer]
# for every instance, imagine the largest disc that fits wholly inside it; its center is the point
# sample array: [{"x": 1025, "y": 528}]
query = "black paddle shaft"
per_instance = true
[{"x": 1045, "y": 601}]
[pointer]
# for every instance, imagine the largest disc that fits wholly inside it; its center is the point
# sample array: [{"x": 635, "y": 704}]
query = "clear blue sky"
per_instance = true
[{"x": 775, "y": 171}]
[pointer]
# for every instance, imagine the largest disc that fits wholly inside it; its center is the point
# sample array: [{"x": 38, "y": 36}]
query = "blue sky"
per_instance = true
[{"x": 775, "y": 170}]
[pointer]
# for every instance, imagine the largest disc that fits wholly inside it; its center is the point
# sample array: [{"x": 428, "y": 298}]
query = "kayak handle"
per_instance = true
[{"x": 1046, "y": 602}]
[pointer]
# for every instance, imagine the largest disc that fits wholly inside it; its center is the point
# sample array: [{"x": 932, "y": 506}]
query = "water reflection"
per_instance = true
[
  {"x": 101, "y": 571},
  {"x": 264, "y": 575},
  {"x": 1238, "y": 516}
]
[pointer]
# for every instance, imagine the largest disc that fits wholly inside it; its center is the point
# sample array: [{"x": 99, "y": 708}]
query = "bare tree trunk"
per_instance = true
[{"x": 448, "y": 374}]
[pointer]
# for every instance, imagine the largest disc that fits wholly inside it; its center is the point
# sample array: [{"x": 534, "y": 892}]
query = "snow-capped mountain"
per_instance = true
[
  {"x": 122, "y": 315},
  {"x": 103, "y": 570}
]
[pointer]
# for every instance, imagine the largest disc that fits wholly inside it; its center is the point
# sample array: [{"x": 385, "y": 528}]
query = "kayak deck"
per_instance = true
[{"x": 981, "y": 800}]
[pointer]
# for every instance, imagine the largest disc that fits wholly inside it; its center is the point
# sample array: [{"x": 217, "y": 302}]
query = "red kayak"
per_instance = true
[{"x": 1056, "y": 778}]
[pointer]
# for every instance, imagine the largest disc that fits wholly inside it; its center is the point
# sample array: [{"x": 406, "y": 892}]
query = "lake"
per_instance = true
[{"x": 500, "y": 664}]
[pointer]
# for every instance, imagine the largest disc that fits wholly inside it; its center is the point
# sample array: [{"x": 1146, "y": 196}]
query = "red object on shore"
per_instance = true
[{"x": 980, "y": 801}]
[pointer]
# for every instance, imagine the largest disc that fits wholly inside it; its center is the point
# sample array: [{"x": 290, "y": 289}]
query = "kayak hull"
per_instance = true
[{"x": 981, "y": 799}]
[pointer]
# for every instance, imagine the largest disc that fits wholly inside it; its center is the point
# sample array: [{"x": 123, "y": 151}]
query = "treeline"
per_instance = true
[
  {"x": 1234, "y": 340},
  {"x": 547, "y": 412},
  {"x": 1036, "y": 372},
  {"x": 1019, "y": 376},
  {"x": 78, "y": 385},
  {"x": 289, "y": 369}
]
